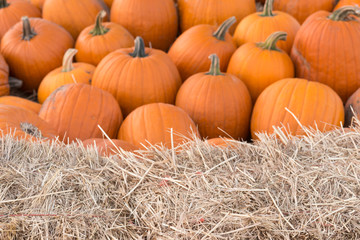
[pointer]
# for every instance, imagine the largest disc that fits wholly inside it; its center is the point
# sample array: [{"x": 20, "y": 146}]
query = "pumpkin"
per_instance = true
[
  {"x": 222, "y": 142},
  {"x": 4, "y": 77},
  {"x": 38, "y": 3},
  {"x": 332, "y": 55},
  {"x": 24, "y": 124},
  {"x": 97, "y": 41},
  {"x": 301, "y": 9},
  {"x": 213, "y": 12},
  {"x": 74, "y": 15},
  {"x": 258, "y": 26},
  {"x": 68, "y": 73},
  {"x": 77, "y": 109},
  {"x": 343, "y": 3},
  {"x": 192, "y": 48},
  {"x": 34, "y": 47},
  {"x": 260, "y": 64},
  {"x": 153, "y": 123},
  {"x": 352, "y": 108},
  {"x": 106, "y": 147},
  {"x": 12, "y": 11},
  {"x": 291, "y": 101},
  {"x": 21, "y": 103},
  {"x": 138, "y": 76},
  {"x": 219, "y": 103},
  {"x": 155, "y": 21}
]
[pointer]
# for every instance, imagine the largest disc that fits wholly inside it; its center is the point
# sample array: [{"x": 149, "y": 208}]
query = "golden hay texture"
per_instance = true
[{"x": 276, "y": 188}]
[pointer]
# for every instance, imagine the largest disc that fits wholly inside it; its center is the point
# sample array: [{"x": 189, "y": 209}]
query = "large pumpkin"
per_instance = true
[
  {"x": 219, "y": 103},
  {"x": 76, "y": 110},
  {"x": 24, "y": 124},
  {"x": 138, "y": 76},
  {"x": 155, "y": 21},
  {"x": 191, "y": 50},
  {"x": 97, "y": 41},
  {"x": 34, "y": 47},
  {"x": 343, "y": 3},
  {"x": 258, "y": 26},
  {"x": 73, "y": 15},
  {"x": 330, "y": 55},
  {"x": 291, "y": 101},
  {"x": 352, "y": 108},
  {"x": 108, "y": 147},
  {"x": 301, "y": 9},
  {"x": 260, "y": 64},
  {"x": 213, "y": 12},
  {"x": 21, "y": 103},
  {"x": 153, "y": 124},
  {"x": 69, "y": 73},
  {"x": 12, "y": 11},
  {"x": 4, "y": 77}
]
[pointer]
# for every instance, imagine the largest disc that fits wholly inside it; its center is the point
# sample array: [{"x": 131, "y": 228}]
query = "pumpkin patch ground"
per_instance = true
[{"x": 179, "y": 119}]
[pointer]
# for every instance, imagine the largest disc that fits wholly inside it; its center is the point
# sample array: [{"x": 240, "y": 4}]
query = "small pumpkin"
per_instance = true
[
  {"x": 219, "y": 103},
  {"x": 330, "y": 56},
  {"x": 151, "y": 124},
  {"x": 352, "y": 108},
  {"x": 4, "y": 77},
  {"x": 155, "y": 21},
  {"x": 191, "y": 49},
  {"x": 77, "y": 109},
  {"x": 260, "y": 64},
  {"x": 138, "y": 76},
  {"x": 21, "y": 103},
  {"x": 291, "y": 101},
  {"x": 97, "y": 41},
  {"x": 343, "y": 3},
  {"x": 213, "y": 12},
  {"x": 73, "y": 15},
  {"x": 34, "y": 47},
  {"x": 24, "y": 124},
  {"x": 69, "y": 73},
  {"x": 222, "y": 142},
  {"x": 108, "y": 147},
  {"x": 258, "y": 26}
]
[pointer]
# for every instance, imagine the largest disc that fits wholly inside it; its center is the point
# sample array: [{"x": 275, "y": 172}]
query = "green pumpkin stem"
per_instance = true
[
  {"x": 345, "y": 13},
  {"x": 28, "y": 33},
  {"x": 139, "y": 50},
  {"x": 224, "y": 28},
  {"x": 99, "y": 29},
  {"x": 67, "y": 63},
  {"x": 271, "y": 41},
  {"x": 3, "y": 4},
  {"x": 268, "y": 9},
  {"x": 215, "y": 66}
]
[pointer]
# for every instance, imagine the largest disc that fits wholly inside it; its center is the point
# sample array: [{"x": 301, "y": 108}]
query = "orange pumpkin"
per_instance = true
[
  {"x": 155, "y": 21},
  {"x": 97, "y": 41},
  {"x": 12, "y": 11},
  {"x": 76, "y": 110},
  {"x": 21, "y": 103},
  {"x": 68, "y": 73},
  {"x": 287, "y": 102},
  {"x": 106, "y": 147},
  {"x": 222, "y": 142},
  {"x": 137, "y": 76},
  {"x": 213, "y": 12},
  {"x": 352, "y": 108},
  {"x": 152, "y": 124},
  {"x": 219, "y": 103},
  {"x": 260, "y": 64},
  {"x": 258, "y": 26},
  {"x": 4, "y": 77},
  {"x": 34, "y": 47},
  {"x": 343, "y": 3},
  {"x": 73, "y": 15},
  {"x": 191, "y": 50},
  {"x": 330, "y": 56},
  {"x": 301, "y": 9},
  {"x": 24, "y": 124}
]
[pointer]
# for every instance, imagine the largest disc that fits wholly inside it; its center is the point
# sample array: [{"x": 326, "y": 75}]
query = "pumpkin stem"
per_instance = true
[
  {"x": 99, "y": 29},
  {"x": 268, "y": 9},
  {"x": 28, "y": 33},
  {"x": 31, "y": 129},
  {"x": 67, "y": 63},
  {"x": 3, "y": 4},
  {"x": 224, "y": 27},
  {"x": 215, "y": 66},
  {"x": 345, "y": 13},
  {"x": 271, "y": 41},
  {"x": 139, "y": 50}
]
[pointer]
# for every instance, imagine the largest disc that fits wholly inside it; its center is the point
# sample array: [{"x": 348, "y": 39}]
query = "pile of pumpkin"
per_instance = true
[{"x": 161, "y": 72}]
